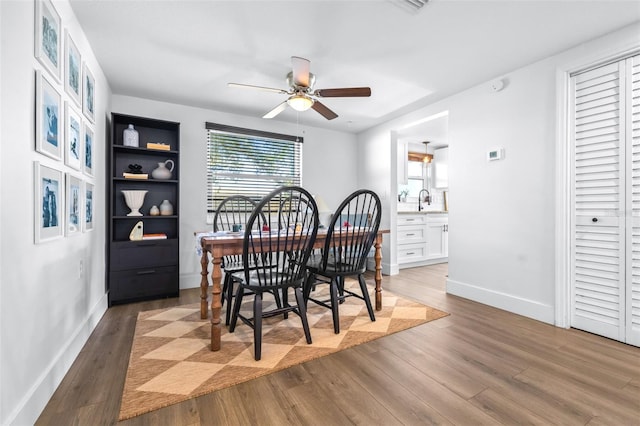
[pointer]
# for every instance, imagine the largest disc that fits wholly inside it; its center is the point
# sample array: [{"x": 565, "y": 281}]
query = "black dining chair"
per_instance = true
[
  {"x": 233, "y": 210},
  {"x": 284, "y": 227},
  {"x": 350, "y": 236}
]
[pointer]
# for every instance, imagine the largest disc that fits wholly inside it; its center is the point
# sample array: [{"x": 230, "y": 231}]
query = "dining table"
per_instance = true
[{"x": 214, "y": 246}]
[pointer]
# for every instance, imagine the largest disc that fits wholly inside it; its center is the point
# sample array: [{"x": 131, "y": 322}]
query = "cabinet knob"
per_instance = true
[{"x": 595, "y": 219}]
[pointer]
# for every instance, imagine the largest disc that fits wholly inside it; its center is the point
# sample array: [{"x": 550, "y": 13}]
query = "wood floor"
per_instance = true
[{"x": 480, "y": 365}]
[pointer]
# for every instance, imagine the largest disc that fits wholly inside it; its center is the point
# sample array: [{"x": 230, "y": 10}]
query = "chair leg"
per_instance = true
[
  {"x": 341, "y": 288},
  {"x": 227, "y": 293},
  {"x": 303, "y": 314},
  {"x": 257, "y": 325},
  {"x": 236, "y": 308},
  {"x": 333, "y": 287},
  {"x": 307, "y": 287},
  {"x": 365, "y": 296},
  {"x": 285, "y": 301}
]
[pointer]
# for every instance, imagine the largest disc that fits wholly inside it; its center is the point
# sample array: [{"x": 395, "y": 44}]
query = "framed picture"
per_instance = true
[
  {"x": 72, "y": 71},
  {"x": 88, "y": 94},
  {"x": 87, "y": 223},
  {"x": 48, "y": 120},
  {"x": 88, "y": 150},
  {"x": 73, "y": 195},
  {"x": 73, "y": 138},
  {"x": 48, "y": 217},
  {"x": 48, "y": 39}
]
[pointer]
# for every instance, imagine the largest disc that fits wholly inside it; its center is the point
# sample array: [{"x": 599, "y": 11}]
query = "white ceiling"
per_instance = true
[{"x": 185, "y": 51}]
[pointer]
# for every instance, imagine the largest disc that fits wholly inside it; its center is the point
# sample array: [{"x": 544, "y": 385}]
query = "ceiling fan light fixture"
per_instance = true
[{"x": 300, "y": 102}]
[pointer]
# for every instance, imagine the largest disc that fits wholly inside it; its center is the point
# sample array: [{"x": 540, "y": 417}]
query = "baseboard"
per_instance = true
[
  {"x": 507, "y": 302},
  {"x": 32, "y": 404},
  {"x": 191, "y": 280}
]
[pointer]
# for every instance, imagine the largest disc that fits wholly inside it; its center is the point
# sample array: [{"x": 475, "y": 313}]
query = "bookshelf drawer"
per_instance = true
[{"x": 143, "y": 254}]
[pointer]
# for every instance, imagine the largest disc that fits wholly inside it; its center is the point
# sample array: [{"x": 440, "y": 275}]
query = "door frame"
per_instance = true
[{"x": 563, "y": 174}]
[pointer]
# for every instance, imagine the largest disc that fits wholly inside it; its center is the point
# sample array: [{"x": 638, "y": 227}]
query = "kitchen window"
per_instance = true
[{"x": 249, "y": 162}]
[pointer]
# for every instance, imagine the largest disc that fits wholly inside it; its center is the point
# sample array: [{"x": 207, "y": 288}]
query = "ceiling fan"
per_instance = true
[{"x": 302, "y": 95}]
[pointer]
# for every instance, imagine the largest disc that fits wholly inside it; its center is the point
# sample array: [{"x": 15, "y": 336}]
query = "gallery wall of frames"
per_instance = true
[{"x": 64, "y": 119}]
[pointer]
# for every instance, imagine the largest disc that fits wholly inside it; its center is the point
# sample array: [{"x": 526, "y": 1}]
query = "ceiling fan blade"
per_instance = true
[
  {"x": 249, "y": 86},
  {"x": 277, "y": 110},
  {"x": 323, "y": 110},
  {"x": 344, "y": 92},
  {"x": 300, "y": 67}
]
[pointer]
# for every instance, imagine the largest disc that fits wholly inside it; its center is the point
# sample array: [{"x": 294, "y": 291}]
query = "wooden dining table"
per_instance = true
[{"x": 231, "y": 244}]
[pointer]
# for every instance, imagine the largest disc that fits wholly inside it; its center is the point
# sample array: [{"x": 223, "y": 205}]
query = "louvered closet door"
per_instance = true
[
  {"x": 633, "y": 203},
  {"x": 598, "y": 273}
]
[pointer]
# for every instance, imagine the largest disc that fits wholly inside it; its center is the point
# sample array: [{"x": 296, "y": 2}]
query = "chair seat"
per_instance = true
[
  {"x": 258, "y": 278},
  {"x": 314, "y": 266}
]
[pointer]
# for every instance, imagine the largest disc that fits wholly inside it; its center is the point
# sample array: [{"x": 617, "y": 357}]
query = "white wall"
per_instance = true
[
  {"x": 502, "y": 213},
  {"x": 47, "y": 310},
  {"x": 328, "y": 164}
]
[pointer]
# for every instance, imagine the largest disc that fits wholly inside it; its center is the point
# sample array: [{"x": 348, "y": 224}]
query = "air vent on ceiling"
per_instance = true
[{"x": 411, "y": 5}]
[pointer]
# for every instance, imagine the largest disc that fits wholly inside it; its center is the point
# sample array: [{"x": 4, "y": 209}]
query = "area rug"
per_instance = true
[{"x": 171, "y": 360}]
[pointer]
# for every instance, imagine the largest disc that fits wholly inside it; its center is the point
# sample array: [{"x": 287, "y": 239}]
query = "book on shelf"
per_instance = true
[
  {"x": 160, "y": 236},
  {"x": 159, "y": 146},
  {"x": 135, "y": 175}
]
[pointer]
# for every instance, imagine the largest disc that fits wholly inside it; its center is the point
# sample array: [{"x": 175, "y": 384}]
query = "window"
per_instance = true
[{"x": 249, "y": 162}]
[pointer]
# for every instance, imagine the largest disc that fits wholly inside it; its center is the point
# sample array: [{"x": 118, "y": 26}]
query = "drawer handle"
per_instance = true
[
  {"x": 409, "y": 253},
  {"x": 152, "y": 271},
  {"x": 410, "y": 235},
  {"x": 410, "y": 220}
]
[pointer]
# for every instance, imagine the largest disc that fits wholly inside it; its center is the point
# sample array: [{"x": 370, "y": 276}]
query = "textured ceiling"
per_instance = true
[{"x": 186, "y": 51}]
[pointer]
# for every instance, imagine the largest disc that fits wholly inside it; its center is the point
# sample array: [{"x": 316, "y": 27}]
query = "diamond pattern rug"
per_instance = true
[{"x": 171, "y": 361}]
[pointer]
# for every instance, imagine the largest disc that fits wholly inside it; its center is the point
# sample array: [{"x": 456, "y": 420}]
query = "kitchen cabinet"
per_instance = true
[
  {"x": 412, "y": 238},
  {"x": 441, "y": 168},
  {"x": 437, "y": 236},
  {"x": 148, "y": 268},
  {"x": 422, "y": 239}
]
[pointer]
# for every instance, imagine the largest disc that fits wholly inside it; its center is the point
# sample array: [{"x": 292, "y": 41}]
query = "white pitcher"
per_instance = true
[{"x": 162, "y": 172}]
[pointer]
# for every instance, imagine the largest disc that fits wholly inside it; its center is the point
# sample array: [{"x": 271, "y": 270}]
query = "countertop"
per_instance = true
[{"x": 423, "y": 212}]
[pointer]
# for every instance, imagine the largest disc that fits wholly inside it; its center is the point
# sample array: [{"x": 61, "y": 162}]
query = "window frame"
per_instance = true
[{"x": 240, "y": 133}]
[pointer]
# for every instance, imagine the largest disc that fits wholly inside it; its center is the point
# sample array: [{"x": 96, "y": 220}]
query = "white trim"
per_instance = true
[
  {"x": 563, "y": 213},
  {"x": 562, "y": 244},
  {"x": 37, "y": 397},
  {"x": 504, "y": 301}
]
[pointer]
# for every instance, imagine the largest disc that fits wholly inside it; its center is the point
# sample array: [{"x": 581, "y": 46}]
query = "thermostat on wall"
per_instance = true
[{"x": 495, "y": 154}]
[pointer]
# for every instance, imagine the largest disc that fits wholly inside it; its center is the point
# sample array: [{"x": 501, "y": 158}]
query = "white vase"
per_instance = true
[
  {"x": 163, "y": 171},
  {"x": 130, "y": 136},
  {"x": 166, "y": 209},
  {"x": 134, "y": 200},
  {"x": 155, "y": 211}
]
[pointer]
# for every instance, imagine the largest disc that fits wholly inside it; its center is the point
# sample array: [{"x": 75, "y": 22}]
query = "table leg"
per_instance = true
[
  {"x": 378, "y": 277},
  {"x": 204, "y": 284},
  {"x": 216, "y": 302}
]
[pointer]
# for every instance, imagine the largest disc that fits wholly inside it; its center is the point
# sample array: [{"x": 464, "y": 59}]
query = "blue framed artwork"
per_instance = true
[
  {"x": 73, "y": 138},
  {"x": 88, "y": 93},
  {"x": 47, "y": 37},
  {"x": 48, "y": 118},
  {"x": 73, "y": 195},
  {"x": 88, "y": 150},
  {"x": 87, "y": 222},
  {"x": 72, "y": 70},
  {"x": 49, "y": 201}
]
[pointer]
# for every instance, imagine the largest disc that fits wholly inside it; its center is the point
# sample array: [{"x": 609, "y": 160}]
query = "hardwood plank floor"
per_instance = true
[{"x": 480, "y": 365}]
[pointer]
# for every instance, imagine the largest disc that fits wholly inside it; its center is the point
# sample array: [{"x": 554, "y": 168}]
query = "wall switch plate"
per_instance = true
[{"x": 495, "y": 154}]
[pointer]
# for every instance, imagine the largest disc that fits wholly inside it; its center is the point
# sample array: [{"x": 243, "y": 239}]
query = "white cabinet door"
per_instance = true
[
  {"x": 437, "y": 238},
  {"x": 441, "y": 168}
]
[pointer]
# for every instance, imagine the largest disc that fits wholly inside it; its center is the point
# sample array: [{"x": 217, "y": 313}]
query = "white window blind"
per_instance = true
[{"x": 249, "y": 162}]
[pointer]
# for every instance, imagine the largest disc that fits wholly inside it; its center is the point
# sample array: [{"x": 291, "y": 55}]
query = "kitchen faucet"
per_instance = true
[{"x": 428, "y": 198}]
